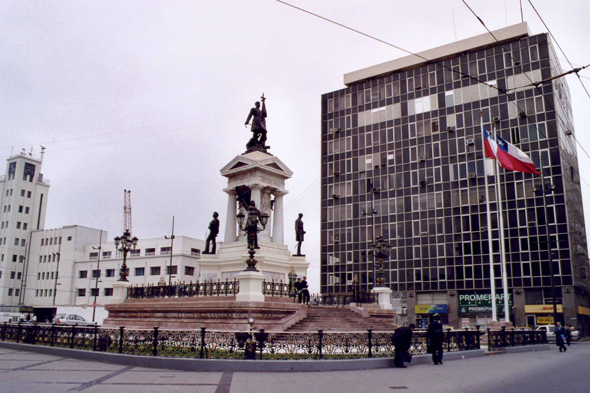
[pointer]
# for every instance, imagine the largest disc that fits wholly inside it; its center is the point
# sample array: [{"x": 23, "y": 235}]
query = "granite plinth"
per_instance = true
[{"x": 218, "y": 313}]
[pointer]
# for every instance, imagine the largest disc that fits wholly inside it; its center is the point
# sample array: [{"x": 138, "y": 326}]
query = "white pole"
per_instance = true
[
  {"x": 502, "y": 245},
  {"x": 489, "y": 218}
]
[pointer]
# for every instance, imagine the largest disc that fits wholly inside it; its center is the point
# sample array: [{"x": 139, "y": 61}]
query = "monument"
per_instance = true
[{"x": 253, "y": 251}]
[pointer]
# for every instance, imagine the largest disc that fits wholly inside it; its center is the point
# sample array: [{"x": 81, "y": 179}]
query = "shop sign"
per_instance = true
[
  {"x": 541, "y": 308},
  {"x": 430, "y": 309},
  {"x": 583, "y": 310},
  {"x": 481, "y": 302},
  {"x": 545, "y": 320},
  {"x": 464, "y": 323}
]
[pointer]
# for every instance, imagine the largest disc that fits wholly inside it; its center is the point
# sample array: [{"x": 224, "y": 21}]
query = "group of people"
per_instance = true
[
  {"x": 402, "y": 341},
  {"x": 302, "y": 290}
]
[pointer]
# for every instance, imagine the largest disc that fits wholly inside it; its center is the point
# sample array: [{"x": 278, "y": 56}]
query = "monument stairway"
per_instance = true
[{"x": 332, "y": 319}]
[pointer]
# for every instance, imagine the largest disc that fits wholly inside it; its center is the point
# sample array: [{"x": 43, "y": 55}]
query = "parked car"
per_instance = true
[
  {"x": 550, "y": 329},
  {"x": 71, "y": 319}
]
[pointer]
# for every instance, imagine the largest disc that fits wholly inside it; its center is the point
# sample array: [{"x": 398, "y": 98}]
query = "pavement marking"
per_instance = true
[
  {"x": 98, "y": 381},
  {"x": 398, "y": 387},
  {"x": 8, "y": 353},
  {"x": 225, "y": 382},
  {"x": 31, "y": 365}
]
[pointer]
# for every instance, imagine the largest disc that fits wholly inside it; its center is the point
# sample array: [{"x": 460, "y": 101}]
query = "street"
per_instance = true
[{"x": 543, "y": 371}]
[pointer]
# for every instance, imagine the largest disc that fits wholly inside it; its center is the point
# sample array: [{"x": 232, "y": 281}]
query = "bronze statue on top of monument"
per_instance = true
[{"x": 258, "y": 128}]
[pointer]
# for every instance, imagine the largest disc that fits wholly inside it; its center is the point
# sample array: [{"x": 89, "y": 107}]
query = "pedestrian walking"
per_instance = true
[
  {"x": 568, "y": 335},
  {"x": 402, "y": 341},
  {"x": 436, "y": 337},
  {"x": 560, "y": 337}
]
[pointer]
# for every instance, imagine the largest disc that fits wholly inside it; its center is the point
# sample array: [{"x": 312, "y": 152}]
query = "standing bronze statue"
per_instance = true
[
  {"x": 213, "y": 232},
  {"x": 299, "y": 234},
  {"x": 252, "y": 225},
  {"x": 258, "y": 128}
]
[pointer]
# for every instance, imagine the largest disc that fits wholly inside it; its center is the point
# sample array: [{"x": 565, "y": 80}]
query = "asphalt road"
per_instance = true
[{"x": 543, "y": 371}]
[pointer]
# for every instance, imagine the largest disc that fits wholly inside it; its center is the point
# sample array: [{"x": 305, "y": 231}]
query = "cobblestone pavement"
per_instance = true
[{"x": 543, "y": 371}]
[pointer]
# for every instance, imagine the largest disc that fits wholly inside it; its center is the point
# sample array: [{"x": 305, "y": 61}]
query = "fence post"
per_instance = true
[
  {"x": 52, "y": 334},
  {"x": 202, "y": 352},
  {"x": 34, "y": 329},
  {"x": 513, "y": 338},
  {"x": 448, "y": 340},
  {"x": 477, "y": 340},
  {"x": 18, "y": 330},
  {"x": 370, "y": 342},
  {"x": 532, "y": 333},
  {"x": 95, "y": 337},
  {"x": 72, "y": 336},
  {"x": 155, "y": 341},
  {"x": 4, "y": 328},
  {"x": 503, "y": 336},
  {"x": 320, "y": 336},
  {"x": 121, "y": 333},
  {"x": 489, "y": 340}
]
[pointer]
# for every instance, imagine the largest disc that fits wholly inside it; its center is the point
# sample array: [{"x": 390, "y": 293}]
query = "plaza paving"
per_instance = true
[{"x": 543, "y": 371}]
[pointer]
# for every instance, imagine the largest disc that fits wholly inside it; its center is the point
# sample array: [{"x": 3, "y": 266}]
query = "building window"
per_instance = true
[
  {"x": 28, "y": 194},
  {"x": 12, "y": 275},
  {"x": 93, "y": 256},
  {"x": 25, "y": 225},
  {"x": 172, "y": 269},
  {"x": 14, "y": 258},
  {"x": 139, "y": 271},
  {"x": 83, "y": 274},
  {"x": 189, "y": 271},
  {"x": 155, "y": 271},
  {"x": 69, "y": 238},
  {"x": 17, "y": 225},
  {"x": 195, "y": 252},
  {"x": 96, "y": 274},
  {"x": 26, "y": 210},
  {"x": 20, "y": 208},
  {"x": 94, "y": 292},
  {"x": 107, "y": 254},
  {"x": 108, "y": 291},
  {"x": 134, "y": 253},
  {"x": 9, "y": 291},
  {"x": 23, "y": 242},
  {"x": 110, "y": 272},
  {"x": 150, "y": 251},
  {"x": 22, "y": 193},
  {"x": 16, "y": 241},
  {"x": 165, "y": 250},
  {"x": 81, "y": 292}
]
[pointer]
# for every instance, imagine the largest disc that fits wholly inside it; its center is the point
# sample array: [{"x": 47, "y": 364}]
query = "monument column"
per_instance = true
[
  {"x": 278, "y": 225},
  {"x": 230, "y": 220}
]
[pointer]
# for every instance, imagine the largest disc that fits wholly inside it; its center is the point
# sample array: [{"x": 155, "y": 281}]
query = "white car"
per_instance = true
[
  {"x": 71, "y": 319},
  {"x": 550, "y": 329}
]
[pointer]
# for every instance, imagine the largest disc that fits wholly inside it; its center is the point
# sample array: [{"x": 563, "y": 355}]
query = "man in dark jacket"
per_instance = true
[
  {"x": 560, "y": 337},
  {"x": 436, "y": 337},
  {"x": 402, "y": 341}
]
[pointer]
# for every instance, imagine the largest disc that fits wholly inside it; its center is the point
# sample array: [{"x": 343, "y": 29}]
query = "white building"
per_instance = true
[{"x": 23, "y": 204}]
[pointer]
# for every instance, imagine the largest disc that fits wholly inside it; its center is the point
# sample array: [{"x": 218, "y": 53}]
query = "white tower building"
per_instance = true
[{"x": 23, "y": 202}]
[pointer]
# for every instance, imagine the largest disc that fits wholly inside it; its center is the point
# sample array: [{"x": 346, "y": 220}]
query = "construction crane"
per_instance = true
[{"x": 127, "y": 211}]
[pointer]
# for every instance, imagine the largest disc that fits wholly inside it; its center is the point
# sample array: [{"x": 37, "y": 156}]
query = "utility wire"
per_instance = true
[
  {"x": 542, "y": 95},
  {"x": 559, "y": 46},
  {"x": 449, "y": 68}
]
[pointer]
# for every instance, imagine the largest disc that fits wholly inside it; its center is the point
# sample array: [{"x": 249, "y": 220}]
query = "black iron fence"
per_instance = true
[
  {"x": 500, "y": 339},
  {"x": 199, "y": 289},
  {"x": 342, "y": 299},
  {"x": 207, "y": 344}
]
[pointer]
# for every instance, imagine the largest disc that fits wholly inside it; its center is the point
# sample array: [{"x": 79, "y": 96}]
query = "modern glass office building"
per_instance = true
[{"x": 402, "y": 159}]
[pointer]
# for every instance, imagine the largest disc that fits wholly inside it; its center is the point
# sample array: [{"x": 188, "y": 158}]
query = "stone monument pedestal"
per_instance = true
[
  {"x": 383, "y": 297},
  {"x": 120, "y": 291},
  {"x": 250, "y": 286}
]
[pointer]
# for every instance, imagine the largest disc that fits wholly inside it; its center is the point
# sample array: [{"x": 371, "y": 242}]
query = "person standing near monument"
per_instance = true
[
  {"x": 436, "y": 338},
  {"x": 304, "y": 291},
  {"x": 258, "y": 127},
  {"x": 402, "y": 341},
  {"x": 299, "y": 234},
  {"x": 213, "y": 232}
]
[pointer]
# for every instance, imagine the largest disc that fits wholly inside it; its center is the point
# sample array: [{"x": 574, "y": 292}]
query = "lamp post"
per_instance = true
[
  {"x": 372, "y": 214},
  {"x": 124, "y": 244},
  {"x": 255, "y": 223},
  {"x": 23, "y": 286},
  {"x": 380, "y": 250},
  {"x": 97, "y": 276},
  {"x": 171, "y": 252}
]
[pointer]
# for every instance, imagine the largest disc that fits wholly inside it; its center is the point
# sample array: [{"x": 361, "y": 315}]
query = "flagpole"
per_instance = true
[
  {"x": 502, "y": 243},
  {"x": 489, "y": 218}
]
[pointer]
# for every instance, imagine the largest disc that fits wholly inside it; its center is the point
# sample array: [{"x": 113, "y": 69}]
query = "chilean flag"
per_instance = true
[
  {"x": 514, "y": 159},
  {"x": 509, "y": 157}
]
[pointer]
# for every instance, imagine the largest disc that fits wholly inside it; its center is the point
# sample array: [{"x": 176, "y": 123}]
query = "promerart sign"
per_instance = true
[{"x": 481, "y": 302}]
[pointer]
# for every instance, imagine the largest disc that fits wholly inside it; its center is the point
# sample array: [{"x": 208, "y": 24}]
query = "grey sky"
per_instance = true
[{"x": 152, "y": 95}]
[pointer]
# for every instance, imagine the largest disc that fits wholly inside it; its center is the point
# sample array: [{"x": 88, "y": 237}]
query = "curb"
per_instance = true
[{"x": 234, "y": 365}]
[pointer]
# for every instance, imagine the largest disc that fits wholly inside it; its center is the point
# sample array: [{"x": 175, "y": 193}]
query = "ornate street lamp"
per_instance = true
[
  {"x": 256, "y": 222},
  {"x": 124, "y": 244},
  {"x": 380, "y": 249}
]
